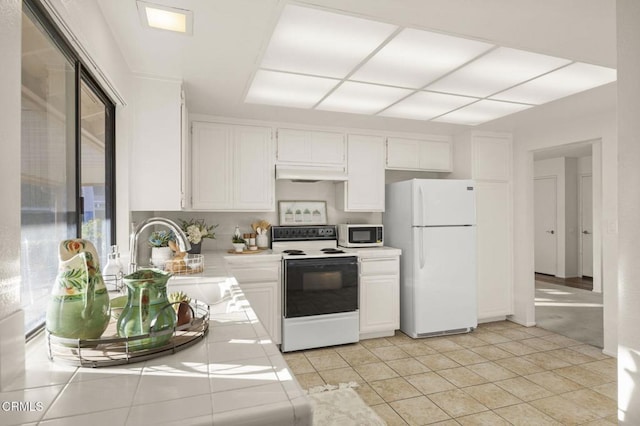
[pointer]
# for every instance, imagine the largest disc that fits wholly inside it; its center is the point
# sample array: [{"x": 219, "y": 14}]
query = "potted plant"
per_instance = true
[
  {"x": 238, "y": 243},
  {"x": 197, "y": 230},
  {"x": 160, "y": 250}
]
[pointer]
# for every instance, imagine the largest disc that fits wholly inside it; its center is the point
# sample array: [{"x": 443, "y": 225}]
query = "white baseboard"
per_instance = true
[
  {"x": 517, "y": 320},
  {"x": 609, "y": 353},
  {"x": 492, "y": 319}
]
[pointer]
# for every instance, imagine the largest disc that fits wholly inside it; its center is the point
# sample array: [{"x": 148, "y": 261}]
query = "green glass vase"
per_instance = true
[{"x": 147, "y": 310}]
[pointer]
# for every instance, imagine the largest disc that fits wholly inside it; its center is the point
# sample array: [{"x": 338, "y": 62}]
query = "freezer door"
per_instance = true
[
  {"x": 438, "y": 202},
  {"x": 445, "y": 294}
]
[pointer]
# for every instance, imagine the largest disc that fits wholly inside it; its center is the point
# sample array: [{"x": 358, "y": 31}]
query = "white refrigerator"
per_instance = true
[{"x": 433, "y": 221}]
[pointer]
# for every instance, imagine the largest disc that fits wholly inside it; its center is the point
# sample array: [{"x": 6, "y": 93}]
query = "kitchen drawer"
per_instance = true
[
  {"x": 256, "y": 274},
  {"x": 380, "y": 266}
]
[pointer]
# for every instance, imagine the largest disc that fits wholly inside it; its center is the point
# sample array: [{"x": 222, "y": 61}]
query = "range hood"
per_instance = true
[{"x": 301, "y": 173}]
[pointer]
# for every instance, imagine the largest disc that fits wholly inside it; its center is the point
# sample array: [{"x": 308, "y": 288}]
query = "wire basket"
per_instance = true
[{"x": 190, "y": 264}]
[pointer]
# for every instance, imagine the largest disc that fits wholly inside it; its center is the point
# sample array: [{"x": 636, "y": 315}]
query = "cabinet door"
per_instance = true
[
  {"x": 491, "y": 157},
  {"x": 327, "y": 148},
  {"x": 402, "y": 154},
  {"x": 364, "y": 191},
  {"x": 493, "y": 204},
  {"x": 379, "y": 303},
  {"x": 264, "y": 299},
  {"x": 435, "y": 155},
  {"x": 211, "y": 177},
  {"x": 156, "y": 168},
  {"x": 253, "y": 169},
  {"x": 293, "y": 146}
]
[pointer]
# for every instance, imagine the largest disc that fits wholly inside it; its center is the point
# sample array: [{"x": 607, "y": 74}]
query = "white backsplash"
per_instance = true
[{"x": 285, "y": 191}]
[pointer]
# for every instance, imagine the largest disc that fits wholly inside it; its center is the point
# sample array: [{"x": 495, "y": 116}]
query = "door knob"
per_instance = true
[
  {"x": 551, "y": 232},
  {"x": 586, "y": 232}
]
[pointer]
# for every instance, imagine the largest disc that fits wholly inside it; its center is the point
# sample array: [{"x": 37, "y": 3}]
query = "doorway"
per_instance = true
[{"x": 564, "y": 243}]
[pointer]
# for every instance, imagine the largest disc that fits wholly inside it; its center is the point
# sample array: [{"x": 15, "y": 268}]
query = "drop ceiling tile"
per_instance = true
[
  {"x": 481, "y": 112},
  {"x": 566, "y": 81},
  {"x": 415, "y": 57},
  {"x": 498, "y": 70},
  {"x": 362, "y": 98},
  {"x": 291, "y": 90},
  {"x": 312, "y": 41},
  {"x": 426, "y": 105}
]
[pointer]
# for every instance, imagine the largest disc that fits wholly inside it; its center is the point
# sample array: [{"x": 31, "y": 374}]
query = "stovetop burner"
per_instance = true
[
  {"x": 331, "y": 251},
  {"x": 293, "y": 252}
]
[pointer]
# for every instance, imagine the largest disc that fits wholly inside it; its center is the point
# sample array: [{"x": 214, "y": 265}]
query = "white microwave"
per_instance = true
[{"x": 363, "y": 235}]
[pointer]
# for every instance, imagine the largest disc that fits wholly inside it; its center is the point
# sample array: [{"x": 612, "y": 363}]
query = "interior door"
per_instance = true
[
  {"x": 545, "y": 232},
  {"x": 586, "y": 219}
]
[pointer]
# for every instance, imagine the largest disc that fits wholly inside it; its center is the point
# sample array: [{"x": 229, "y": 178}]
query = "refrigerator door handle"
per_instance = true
[
  {"x": 420, "y": 207},
  {"x": 421, "y": 243}
]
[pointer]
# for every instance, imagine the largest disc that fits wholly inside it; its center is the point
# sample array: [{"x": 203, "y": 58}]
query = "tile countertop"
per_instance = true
[{"x": 235, "y": 376}]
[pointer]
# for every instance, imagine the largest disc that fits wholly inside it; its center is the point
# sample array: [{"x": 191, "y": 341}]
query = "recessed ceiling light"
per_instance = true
[
  {"x": 426, "y": 105},
  {"x": 165, "y": 18},
  {"x": 414, "y": 58},
  {"x": 497, "y": 70},
  {"x": 311, "y": 41},
  {"x": 566, "y": 81},
  {"x": 481, "y": 112},
  {"x": 285, "y": 89},
  {"x": 361, "y": 98}
]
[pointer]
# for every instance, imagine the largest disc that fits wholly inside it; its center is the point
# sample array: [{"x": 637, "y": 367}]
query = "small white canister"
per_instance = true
[{"x": 262, "y": 241}]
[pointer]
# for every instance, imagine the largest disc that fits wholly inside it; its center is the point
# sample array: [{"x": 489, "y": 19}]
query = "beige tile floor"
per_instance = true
[{"x": 500, "y": 374}]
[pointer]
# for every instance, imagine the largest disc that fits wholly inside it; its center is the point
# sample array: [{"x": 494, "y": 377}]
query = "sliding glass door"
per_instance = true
[{"x": 67, "y": 159}]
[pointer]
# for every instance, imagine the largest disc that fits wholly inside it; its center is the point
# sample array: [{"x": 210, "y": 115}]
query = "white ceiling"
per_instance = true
[{"x": 218, "y": 61}]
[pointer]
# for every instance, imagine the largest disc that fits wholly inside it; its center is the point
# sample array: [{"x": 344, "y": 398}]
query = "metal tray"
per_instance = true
[{"x": 110, "y": 349}]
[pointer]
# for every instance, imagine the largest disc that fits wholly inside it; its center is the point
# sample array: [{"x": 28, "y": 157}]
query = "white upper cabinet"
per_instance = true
[
  {"x": 364, "y": 190},
  {"x": 491, "y": 157},
  {"x": 157, "y": 152},
  {"x": 432, "y": 154},
  {"x": 310, "y": 147},
  {"x": 232, "y": 167}
]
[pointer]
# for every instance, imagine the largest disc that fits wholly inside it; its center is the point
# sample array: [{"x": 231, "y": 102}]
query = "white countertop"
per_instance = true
[{"x": 235, "y": 376}]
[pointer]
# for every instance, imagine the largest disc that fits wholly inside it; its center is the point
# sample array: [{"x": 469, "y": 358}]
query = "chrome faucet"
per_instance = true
[{"x": 183, "y": 241}]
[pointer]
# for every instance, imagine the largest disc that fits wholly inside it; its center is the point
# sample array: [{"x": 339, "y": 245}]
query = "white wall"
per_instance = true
[
  {"x": 11, "y": 318},
  {"x": 600, "y": 128},
  {"x": 629, "y": 205}
]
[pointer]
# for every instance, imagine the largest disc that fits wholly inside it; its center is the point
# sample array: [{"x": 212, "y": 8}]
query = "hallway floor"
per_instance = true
[
  {"x": 500, "y": 374},
  {"x": 571, "y": 312}
]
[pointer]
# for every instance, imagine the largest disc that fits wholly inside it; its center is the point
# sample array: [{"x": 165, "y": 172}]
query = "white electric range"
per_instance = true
[{"x": 320, "y": 288}]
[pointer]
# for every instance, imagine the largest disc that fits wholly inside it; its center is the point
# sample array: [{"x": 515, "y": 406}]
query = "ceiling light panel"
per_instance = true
[
  {"x": 426, "y": 105},
  {"x": 481, "y": 112},
  {"x": 312, "y": 41},
  {"x": 415, "y": 57},
  {"x": 566, "y": 81},
  {"x": 165, "y": 18},
  {"x": 291, "y": 90},
  {"x": 498, "y": 70},
  {"x": 362, "y": 98}
]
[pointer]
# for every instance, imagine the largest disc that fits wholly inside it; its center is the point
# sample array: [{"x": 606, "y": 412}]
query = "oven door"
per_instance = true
[{"x": 320, "y": 286}]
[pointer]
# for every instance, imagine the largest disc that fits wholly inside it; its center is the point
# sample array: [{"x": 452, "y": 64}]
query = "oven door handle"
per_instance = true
[{"x": 322, "y": 262}]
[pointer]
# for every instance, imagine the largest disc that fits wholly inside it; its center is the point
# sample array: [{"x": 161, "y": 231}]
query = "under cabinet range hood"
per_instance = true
[{"x": 301, "y": 173}]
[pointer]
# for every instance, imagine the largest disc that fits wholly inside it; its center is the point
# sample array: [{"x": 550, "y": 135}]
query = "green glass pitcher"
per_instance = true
[
  {"x": 147, "y": 310},
  {"x": 79, "y": 304}
]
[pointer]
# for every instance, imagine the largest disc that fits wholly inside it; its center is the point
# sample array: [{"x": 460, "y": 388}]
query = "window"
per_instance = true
[{"x": 67, "y": 159}]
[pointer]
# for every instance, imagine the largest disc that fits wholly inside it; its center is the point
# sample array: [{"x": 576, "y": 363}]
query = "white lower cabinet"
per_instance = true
[
  {"x": 260, "y": 283},
  {"x": 379, "y": 296}
]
